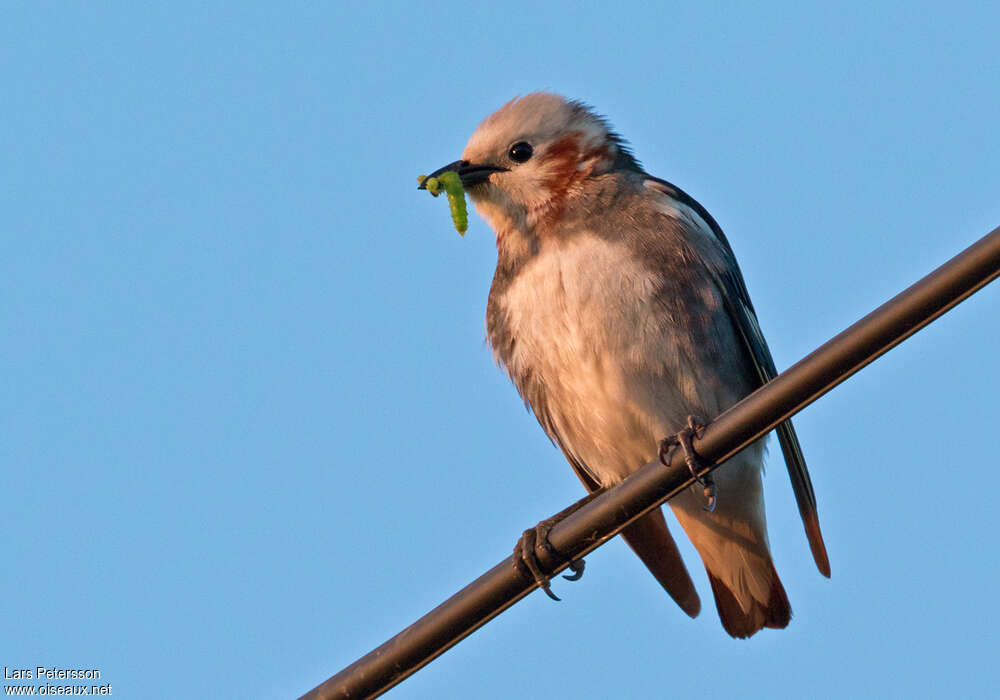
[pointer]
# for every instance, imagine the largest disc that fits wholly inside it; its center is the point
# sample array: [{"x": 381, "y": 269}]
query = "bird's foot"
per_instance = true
[
  {"x": 526, "y": 555},
  {"x": 534, "y": 545},
  {"x": 683, "y": 439}
]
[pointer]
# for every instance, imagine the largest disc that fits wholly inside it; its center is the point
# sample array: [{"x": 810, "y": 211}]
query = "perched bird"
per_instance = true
[{"x": 618, "y": 310}]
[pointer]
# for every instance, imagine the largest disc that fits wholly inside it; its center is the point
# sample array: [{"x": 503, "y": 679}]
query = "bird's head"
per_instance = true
[{"x": 526, "y": 161}]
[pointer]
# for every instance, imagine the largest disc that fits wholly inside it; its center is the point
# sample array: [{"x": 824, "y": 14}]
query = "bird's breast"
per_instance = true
[
  {"x": 576, "y": 303},
  {"x": 582, "y": 335}
]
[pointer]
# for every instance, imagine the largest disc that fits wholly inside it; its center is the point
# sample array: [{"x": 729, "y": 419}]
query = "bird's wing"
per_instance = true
[
  {"x": 652, "y": 542},
  {"x": 733, "y": 291},
  {"x": 648, "y": 536}
]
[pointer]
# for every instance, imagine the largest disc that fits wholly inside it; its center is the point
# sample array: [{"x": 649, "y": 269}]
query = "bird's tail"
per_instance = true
[
  {"x": 744, "y": 615},
  {"x": 732, "y": 542}
]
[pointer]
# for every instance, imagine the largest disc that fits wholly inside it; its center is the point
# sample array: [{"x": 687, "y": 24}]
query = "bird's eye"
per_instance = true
[{"x": 520, "y": 151}]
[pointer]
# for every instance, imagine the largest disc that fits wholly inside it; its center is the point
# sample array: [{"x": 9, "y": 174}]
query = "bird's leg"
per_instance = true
[
  {"x": 683, "y": 438},
  {"x": 535, "y": 541}
]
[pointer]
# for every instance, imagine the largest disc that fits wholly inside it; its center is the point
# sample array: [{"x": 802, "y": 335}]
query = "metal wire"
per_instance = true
[{"x": 603, "y": 517}]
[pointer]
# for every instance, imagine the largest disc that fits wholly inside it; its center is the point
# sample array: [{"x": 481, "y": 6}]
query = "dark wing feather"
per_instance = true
[
  {"x": 648, "y": 536},
  {"x": 652, "y": 542},
  {"x": 734, "y": 293}
]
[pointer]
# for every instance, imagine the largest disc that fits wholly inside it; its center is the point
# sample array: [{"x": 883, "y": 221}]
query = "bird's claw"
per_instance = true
[
  {"x": 711, "y": 495},
  {"x": 683, "y": 439},
  {"x": 526, "y": 557},
  {"x": 577, "y": 567}
]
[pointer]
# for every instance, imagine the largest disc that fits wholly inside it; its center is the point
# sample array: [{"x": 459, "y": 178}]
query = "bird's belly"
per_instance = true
[{"x": 597, "y": 358}]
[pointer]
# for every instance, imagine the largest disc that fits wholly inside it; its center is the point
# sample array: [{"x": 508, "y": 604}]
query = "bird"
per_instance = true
[{"x": 619, "y": 312}]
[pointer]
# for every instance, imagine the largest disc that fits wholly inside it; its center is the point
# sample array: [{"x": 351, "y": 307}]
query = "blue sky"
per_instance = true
[{"x": 250, "y": 428}]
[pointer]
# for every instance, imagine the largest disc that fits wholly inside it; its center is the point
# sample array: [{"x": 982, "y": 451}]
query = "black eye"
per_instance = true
[{"x": 520, "y": 151}]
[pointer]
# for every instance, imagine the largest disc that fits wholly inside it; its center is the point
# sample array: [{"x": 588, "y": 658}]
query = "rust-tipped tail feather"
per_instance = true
[{"x": 776, "y": 613}]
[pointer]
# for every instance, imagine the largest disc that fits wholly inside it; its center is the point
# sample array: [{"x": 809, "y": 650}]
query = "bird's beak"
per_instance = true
[{"x": 469, "y": 174}]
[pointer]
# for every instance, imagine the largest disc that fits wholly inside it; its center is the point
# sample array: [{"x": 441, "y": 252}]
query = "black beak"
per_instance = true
[{"x": 469, "y": 174}]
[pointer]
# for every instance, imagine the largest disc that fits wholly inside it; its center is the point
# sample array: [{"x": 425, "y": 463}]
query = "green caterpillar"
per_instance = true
[{"x": 452, "y": 185}]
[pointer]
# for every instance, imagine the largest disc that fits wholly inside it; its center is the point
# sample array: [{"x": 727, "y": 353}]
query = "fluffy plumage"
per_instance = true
[{"x": 618, "y": 310}]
